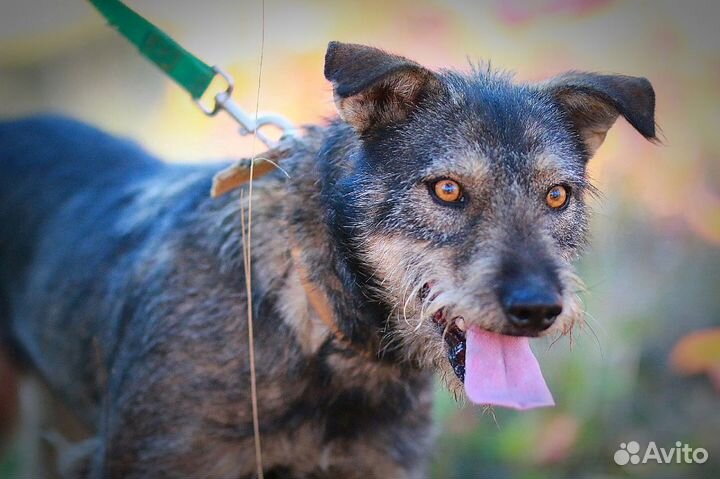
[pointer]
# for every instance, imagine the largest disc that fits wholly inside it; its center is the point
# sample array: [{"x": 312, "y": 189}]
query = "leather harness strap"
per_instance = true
[{"x": 321, "y": 304}]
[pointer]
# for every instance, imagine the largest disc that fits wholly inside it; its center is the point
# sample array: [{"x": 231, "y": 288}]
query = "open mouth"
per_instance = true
[
  {"x": 495, "y": 369},
  {"x": 453, "y": 332}
]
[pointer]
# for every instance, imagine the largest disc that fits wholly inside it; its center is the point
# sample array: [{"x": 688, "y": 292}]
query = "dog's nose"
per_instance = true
[{"x": 531, "y": 309}]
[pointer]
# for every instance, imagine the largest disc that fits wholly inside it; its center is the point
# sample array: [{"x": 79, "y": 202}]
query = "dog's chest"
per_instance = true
[{"x": 350, "y": 422}]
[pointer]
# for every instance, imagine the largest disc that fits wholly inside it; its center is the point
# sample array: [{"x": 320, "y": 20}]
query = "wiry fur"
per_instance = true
[{"x": 121, "y": 281}]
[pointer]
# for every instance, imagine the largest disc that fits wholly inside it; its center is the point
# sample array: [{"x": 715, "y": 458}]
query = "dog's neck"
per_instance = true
[
  {"x": 336, "y": 282},
  {"x": 305, "y": 267},
  {"x": 303, "y": 255}
]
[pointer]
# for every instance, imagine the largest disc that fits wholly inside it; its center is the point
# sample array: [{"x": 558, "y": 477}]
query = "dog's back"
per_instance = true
[
  {"x": 46, "y": 162},
  {"x": 69, "y": 222}
]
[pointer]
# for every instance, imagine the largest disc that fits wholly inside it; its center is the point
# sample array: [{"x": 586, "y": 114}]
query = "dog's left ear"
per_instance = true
[
  {"x": 373, "y": 88},
  {"x": 592, "y": 103}
]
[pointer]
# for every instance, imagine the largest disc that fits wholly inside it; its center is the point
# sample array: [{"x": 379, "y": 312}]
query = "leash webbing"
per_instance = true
[{"x": 185, "y": 69}]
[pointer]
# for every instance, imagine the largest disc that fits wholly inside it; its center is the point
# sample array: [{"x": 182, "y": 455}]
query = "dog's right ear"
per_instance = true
[{"x": 373, "y": 88}]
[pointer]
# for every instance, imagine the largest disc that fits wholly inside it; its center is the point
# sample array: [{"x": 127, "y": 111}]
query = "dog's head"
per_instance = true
[{"x": 468, "y": 194}]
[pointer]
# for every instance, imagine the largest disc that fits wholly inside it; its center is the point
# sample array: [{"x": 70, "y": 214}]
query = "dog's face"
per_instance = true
[{"x": 468, "y": 193}]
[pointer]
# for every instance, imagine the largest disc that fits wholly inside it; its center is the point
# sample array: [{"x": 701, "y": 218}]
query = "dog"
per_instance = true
[{"x": 429, "y": 228}]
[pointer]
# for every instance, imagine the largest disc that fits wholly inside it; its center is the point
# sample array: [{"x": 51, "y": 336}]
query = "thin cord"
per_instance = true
[{"x": 247, "y": 240}]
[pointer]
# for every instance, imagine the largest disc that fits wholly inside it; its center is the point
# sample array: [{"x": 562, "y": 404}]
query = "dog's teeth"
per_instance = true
[{"x": 460, "y": 323}]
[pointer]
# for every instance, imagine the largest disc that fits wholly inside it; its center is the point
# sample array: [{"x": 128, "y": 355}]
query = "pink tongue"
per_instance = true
[{"x": 501, "y": 370}]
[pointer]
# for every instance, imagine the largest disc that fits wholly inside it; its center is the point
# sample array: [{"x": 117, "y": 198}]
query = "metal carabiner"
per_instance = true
[{"x": 248, "y": 124}]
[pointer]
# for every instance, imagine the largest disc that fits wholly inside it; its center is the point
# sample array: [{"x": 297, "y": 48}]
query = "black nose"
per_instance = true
[{"x": 531, "y": 307}]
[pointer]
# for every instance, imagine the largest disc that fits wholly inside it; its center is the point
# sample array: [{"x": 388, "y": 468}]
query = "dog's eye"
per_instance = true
[
  {"x": 448, "y": 191},
  {"x": 557, "y": 197}
]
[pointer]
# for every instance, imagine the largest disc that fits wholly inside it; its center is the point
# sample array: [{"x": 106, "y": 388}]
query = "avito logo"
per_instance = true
[{"x": 680, "y": 454}]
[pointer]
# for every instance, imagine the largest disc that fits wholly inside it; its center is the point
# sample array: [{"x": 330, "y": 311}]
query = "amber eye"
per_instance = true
[
  {"x": 448, "y": 191},
  {"x": 557, "y": 197}
]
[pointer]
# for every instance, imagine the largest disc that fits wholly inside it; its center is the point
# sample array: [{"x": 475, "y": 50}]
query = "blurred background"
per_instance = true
[{"x": 647, "y": 368}]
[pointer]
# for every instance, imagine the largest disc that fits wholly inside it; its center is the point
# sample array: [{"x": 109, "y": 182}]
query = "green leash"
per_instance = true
[{"x": 187, "y": 70}]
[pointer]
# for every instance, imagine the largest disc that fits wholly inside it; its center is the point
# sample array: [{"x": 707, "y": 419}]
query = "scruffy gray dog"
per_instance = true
[{"x": 430, "y": 228}]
